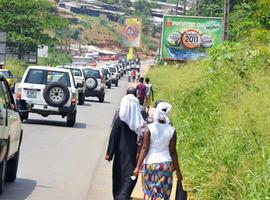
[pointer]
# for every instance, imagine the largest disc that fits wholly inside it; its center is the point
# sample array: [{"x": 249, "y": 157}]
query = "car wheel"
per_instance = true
[
  {"x": 56, "y": 94},
  {"x": 91, "y": 83},
  {"x": 12, "y": 167},
  {"x": 3, "y": 166},
  {"x": 71, "y": 119},
  {"x": 116, "y": 84},
  {"x": 24, "y": 116},
  {"x": 101, "y": 98},
  {"x": 109, "y": 85},
  {"x": 81, "y": 98}
]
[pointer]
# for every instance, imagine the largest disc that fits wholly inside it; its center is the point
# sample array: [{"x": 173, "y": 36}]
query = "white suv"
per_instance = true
[
  {"x": 10, "y": 135},
  {"x": 79, "y": 81},
  {"x": 95, "y": 83},
  {"x": 48, "y": 91}
]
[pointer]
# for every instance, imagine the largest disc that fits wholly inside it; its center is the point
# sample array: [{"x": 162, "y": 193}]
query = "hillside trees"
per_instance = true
[{"x": 29, "y": 24}]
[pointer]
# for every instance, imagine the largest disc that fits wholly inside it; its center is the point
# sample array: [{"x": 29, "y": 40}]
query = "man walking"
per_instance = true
[
  {"x": 141, "y": 91},
  {"x": 149, "y": 94}
]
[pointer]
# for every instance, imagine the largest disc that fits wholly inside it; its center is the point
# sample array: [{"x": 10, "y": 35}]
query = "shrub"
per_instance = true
[{"x": 221, "y": 109}]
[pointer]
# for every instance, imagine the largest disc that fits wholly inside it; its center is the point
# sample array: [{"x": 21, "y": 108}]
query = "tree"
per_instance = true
[{"x": 29, "y": 24}]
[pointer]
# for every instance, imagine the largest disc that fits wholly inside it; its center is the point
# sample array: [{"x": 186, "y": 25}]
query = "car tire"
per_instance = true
[
  {"x": 12, "y": 167},
  {"x": 56, "y": 94},
  {"x": 109, "y": 85},
  {"x": 24, "y": 116},
  {"x": 81, "y": 98},
  {"x": 71, "y": 119},
  {"x": 116, "y": 84},
  {"x": 3, "y": 166},
  {"x": 101, "y": 98},
  {"x": 91, "y": 83}
]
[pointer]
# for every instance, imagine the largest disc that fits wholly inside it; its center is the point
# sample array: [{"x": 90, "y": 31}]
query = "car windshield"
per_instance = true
[
  {"x": 106, "y": 71},
  {"x": 56, "y": 76},
  {"x": 92, "y": 73},
  {"x": 35, "y": 76},
  {"x": 112, "y": 69},
  {"x": 76, "y": 72},
  {"x": 7, "y": 74}
]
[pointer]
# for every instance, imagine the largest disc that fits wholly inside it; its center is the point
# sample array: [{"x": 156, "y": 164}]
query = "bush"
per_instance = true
[
  {"x": 17, "y": 67},
  {"x": 55, "y": 59},
  {"x": 221, "y": 109}
]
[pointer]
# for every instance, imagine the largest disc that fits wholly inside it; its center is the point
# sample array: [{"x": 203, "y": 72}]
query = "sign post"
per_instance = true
[
  {"x": 188, "y": 38},
  {"x": 3, "y": 47}
]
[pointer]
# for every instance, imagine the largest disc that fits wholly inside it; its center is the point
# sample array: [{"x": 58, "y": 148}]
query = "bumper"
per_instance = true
[
  {"x": 23, "y": 106},
  {"x": 94, "y": 93},
  {"x": 115, "y": 80}
]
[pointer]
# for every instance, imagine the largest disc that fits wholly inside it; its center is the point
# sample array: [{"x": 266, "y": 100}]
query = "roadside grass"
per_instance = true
[
  {"x": 17, "y": 67},
  {"x": 221, "y": 111},
  {"x": 54, "y": 59}
]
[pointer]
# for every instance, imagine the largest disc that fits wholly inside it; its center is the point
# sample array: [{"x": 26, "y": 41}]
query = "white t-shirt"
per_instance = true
[
  {"x": 148, "y": 89},
  {"x": 159, "y": 150}
]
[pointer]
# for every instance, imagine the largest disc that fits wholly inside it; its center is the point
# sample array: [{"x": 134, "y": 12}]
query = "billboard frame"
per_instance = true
[{"x": 195, "y": 17}]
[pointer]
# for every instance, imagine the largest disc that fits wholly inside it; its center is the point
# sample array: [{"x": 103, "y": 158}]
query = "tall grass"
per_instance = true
[
  {"x": 221, "y": 110},
  {"x": 17, "y": 67}
]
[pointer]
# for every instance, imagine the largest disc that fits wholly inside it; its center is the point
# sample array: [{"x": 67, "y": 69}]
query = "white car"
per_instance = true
[
  {"x": 95, "y": 83},
  {"x": 10, "y": 135},
  {"x": 79, "y": 81},
  {"x": 48, "y": 91},
  {"x": 114, "y": 75}
]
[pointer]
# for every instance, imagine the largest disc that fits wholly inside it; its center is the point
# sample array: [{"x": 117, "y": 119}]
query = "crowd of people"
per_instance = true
[{"x": 143, "y": 140}]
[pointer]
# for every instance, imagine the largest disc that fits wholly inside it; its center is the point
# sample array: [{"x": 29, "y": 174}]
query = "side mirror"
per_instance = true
[{"x": 79, "y": 85}]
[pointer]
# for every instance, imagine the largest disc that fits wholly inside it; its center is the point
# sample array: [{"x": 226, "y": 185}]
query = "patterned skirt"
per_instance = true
[{"x": 157, "y": 181}]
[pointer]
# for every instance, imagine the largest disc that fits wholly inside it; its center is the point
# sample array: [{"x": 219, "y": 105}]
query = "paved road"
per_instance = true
[{"x": 59, "y": 163}]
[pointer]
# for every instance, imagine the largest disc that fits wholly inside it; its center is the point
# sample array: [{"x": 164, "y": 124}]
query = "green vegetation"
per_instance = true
[
  {"x": 29, "y": 24},
  {"x": 17, "y": 67},
  {"x": 221, "y": 108},
  {"x": 54, "y": 59}
]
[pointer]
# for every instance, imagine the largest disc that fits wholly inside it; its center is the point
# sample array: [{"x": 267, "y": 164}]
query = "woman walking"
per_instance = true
[
  {"x": 158, "y": 156},
  {"x": 122, "y": 147}
]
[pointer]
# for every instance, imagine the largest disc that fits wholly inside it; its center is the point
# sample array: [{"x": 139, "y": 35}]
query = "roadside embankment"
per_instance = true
[{"x": 221, "y": 109}]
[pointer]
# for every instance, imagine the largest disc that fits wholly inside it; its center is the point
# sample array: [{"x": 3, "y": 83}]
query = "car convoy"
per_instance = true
[{"x": 47, "y": 91}]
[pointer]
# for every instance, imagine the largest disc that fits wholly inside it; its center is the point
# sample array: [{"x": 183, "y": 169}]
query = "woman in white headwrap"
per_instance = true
[
  {"x": 122, "y": 147},
  {"x": 158, "y": 156}
]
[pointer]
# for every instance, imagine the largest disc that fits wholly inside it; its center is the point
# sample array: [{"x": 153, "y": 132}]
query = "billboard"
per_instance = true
[
  {"x": 132, "y": 32},
  {"x": 188, "y": 38}
]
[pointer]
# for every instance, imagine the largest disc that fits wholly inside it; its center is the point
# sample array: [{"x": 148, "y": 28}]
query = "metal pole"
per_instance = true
[
  {"x": 226, "y": 19},
  {"x": 176, "y": 8},
  {"x": 197, "y": 8},
  {"x": 185, "y": 7}
]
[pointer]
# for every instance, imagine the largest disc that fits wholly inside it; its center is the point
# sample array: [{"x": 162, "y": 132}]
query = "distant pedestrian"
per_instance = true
[
  {"x": 122, "y": 147},
  {"x": 129, "y": 75},
  {"x": 158, "y": 157},
  {"x": 134, "y": 75},
  {"x": 141, "y": 91},
  {"x": 149, "y": 94}
]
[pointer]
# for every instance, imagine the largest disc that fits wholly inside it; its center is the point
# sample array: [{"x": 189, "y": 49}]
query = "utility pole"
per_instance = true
[
  {"x": 197, "y": 7},
  {"x": 226, "y": 19},
  {"x": 176, "y": 8},
  {"x": 185, "y": 7}
]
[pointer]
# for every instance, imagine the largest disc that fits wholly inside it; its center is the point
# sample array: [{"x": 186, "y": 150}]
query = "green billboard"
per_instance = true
[{"x": 187, "y": 38}]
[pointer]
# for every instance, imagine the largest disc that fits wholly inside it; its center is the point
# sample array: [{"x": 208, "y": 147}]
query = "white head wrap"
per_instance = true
[
  {"x": 162, "y": 111},
  {"x": 130, "y": 113}
]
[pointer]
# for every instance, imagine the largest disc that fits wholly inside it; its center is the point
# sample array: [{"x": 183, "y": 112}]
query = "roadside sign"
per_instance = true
[
  {"x": 188, "y": 38},
  {"x": 132, "y": 32}
]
